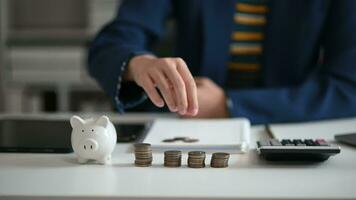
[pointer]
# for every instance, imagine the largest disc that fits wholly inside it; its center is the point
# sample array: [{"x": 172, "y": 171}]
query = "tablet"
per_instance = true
[
  {"x": 33, "y": 135},
  {"x": 50, "y": 136}
]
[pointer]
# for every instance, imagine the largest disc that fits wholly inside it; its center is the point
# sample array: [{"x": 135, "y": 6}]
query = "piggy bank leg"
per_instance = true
[
  {"x": 82, "y": 160},
  {"x": 106, "y": 160}
]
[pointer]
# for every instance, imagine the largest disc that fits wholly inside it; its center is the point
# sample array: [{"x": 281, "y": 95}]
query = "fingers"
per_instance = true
[
  {"x": 166, "y": 89},
  {"x": 179, "y": 88},
  {"x": 172, "y": 77},
  {"x": 149, "y": 87},
  {"x": 190, "y": 86}
]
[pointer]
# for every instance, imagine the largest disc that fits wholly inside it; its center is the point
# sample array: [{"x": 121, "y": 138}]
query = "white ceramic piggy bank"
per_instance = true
[{"x": 93, "y": 139}]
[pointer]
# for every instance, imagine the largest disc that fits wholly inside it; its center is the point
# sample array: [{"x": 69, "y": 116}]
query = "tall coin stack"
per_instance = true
[
  {"x": 143, "y": 155},
  {"x": 196, "y": 159},
  {"x": 219, "y": 160},
  {"x": 172, "y": 158}
]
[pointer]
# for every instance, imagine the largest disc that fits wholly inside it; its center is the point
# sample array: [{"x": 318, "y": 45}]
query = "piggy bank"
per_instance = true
[{"x": 93, "y": 139}]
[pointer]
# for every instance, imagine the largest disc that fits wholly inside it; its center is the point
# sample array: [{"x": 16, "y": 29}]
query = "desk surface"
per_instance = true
[{"x": 59, "y": 176}]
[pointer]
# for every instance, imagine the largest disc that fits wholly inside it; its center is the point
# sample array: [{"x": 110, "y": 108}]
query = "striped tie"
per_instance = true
[{"x": 244, "y": 67}]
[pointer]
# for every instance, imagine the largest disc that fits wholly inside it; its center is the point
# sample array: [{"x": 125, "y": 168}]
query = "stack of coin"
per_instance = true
[
  {"x": 196, "y": 159},
  {"x": 143, "y": 155},
  {"x": 172, "y": 158},
  {"x": 219, "y": 160}
]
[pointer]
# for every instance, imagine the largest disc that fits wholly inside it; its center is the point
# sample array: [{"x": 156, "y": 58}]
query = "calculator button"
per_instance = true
[
  {"x": 287, "y": 143},
  {"x": 299, "y": 143},
  {"x": 309, "y": 142},
  {"x": 321, "y": 142},
  {"x": 275, "y": 142}
]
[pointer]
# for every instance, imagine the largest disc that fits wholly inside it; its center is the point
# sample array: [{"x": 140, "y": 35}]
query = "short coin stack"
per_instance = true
[
  {"x": 196, "y": 159},
  {"x": 172, "y": 158},
  {"x": 219, "y": 160},
  {"x": 143, "y": 155}
]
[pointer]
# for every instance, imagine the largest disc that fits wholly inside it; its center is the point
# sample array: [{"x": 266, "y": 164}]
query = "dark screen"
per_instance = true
[
  {"x": 35, "y": 134},
  {"x": 50, "y": 136}
]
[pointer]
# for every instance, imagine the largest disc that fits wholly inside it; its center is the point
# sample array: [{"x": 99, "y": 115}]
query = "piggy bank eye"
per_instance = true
[
  {"x": 83, "y": 131},
  {"x": 92, "y": 130}
]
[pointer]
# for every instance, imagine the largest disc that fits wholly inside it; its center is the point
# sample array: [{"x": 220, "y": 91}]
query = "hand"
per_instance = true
[
  {"x": 173, "y": 79},
  {"x": 211, "y": 99}
]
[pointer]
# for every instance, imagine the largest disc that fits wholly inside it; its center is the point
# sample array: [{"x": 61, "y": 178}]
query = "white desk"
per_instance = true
[{"x": 58, "y": 176}]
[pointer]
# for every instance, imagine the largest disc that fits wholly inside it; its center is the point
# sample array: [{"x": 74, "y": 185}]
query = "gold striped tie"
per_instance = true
[{"x": 244, "y": 66}]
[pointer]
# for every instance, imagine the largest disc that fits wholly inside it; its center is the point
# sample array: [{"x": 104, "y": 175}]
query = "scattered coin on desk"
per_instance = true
[
  {"x": 143, "y": 155},
  {"x": 169, "y": 140},
  {"x": 183, "y": 139},
  {"x": 191, "y": 140},
  {"x": 172, "y": 158},
  {"x": 220, "y": 160}
]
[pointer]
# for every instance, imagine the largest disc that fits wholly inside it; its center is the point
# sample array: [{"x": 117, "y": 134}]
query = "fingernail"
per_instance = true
[
  {"x": 160, "y": 104},
  {"x": 174, "y": 109}
]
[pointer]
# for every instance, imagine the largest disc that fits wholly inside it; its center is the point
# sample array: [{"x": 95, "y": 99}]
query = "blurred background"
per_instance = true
[{"x": 43, "y": 52}]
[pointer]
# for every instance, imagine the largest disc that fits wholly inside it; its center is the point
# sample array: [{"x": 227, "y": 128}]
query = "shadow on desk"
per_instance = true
[
  {"x": 38, "y": 160},
  {"x": 243, "y": 161},
  {"x": 252, "y": 160}
]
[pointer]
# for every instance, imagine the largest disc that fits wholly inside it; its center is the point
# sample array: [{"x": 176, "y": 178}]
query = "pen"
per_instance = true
[{"x": 269, "y": 131}]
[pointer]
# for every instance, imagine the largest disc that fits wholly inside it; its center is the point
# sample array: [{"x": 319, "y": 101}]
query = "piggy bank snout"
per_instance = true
[{"x": 89, "y": 145}]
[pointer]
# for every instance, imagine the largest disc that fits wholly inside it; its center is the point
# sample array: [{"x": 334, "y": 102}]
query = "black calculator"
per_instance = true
[{"x": 296, "y": 150}]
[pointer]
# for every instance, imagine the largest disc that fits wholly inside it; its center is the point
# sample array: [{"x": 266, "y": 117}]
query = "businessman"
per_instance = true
[{"x": 267, "y": 60}]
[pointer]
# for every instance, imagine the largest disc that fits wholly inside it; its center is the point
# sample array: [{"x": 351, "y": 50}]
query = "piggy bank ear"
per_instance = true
[
  {"x": 76, "y": 121},
  {"x": 103, "y": 121}
]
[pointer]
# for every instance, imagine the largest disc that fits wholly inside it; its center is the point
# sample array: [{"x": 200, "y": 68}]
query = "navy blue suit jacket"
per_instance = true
[{"x": 298, "y": 84}]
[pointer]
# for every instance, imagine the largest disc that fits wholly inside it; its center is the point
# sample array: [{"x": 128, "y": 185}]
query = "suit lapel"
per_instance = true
[
  {"x": 217, "y": 25},
  {"x": 283, "y": 41}
]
